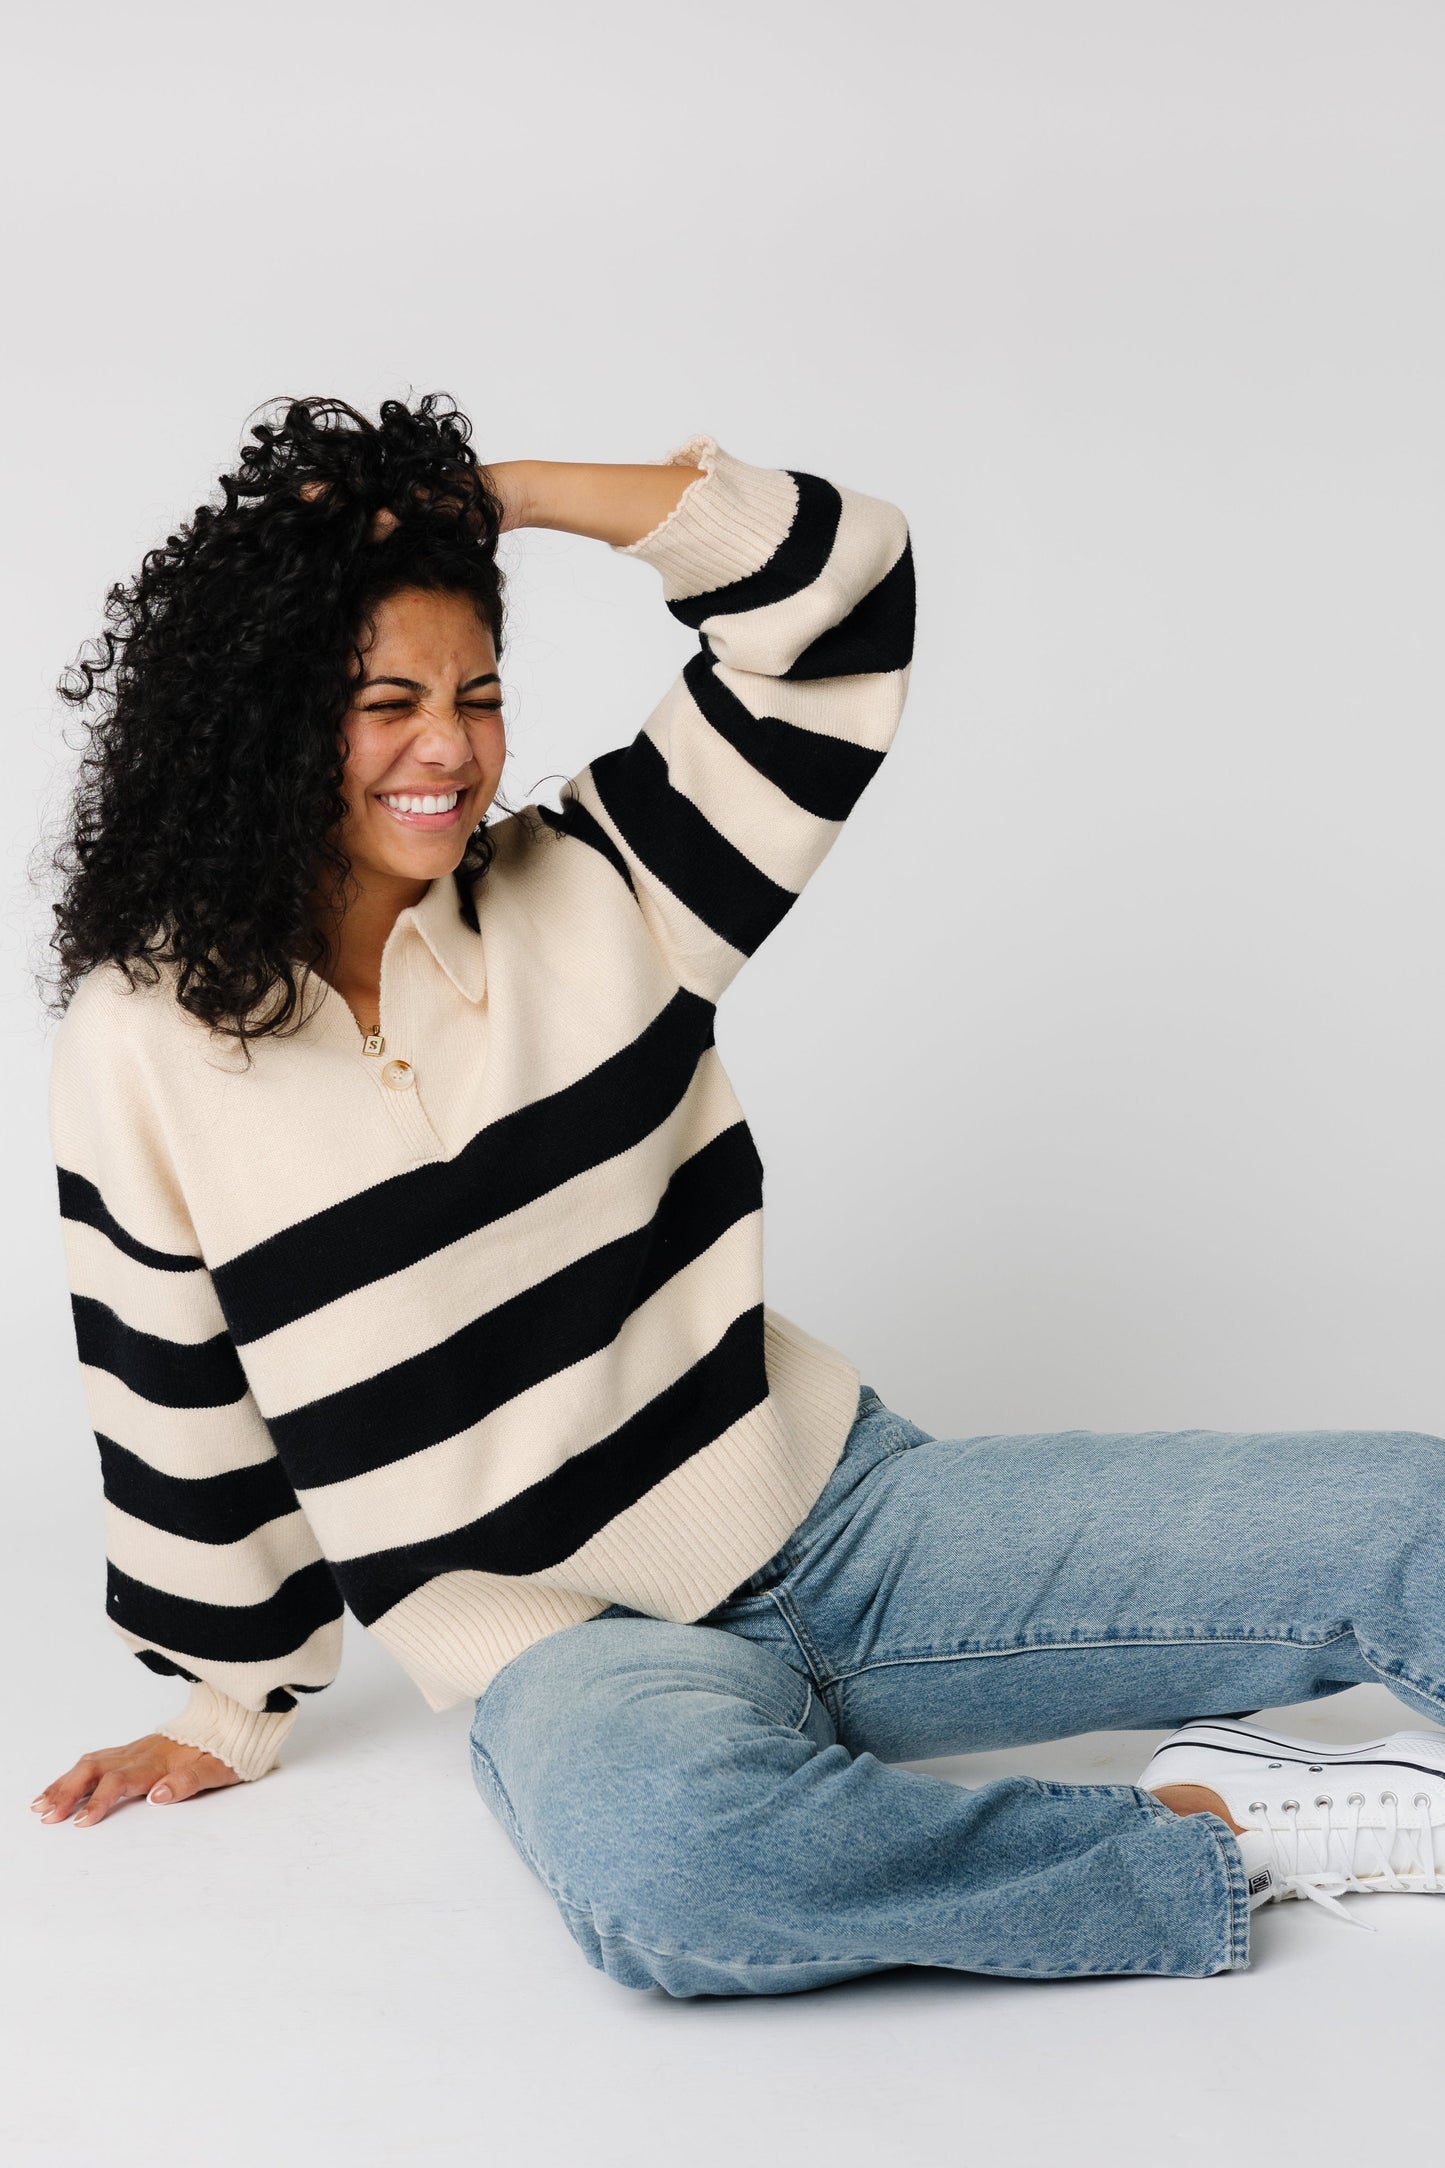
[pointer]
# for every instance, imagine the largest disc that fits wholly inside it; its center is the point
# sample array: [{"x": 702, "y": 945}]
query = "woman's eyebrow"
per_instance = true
[{"x": 414, "y": 685}]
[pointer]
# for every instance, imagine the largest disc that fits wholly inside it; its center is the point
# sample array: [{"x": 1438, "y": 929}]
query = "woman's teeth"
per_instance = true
[{"x": 410, "y": 804}]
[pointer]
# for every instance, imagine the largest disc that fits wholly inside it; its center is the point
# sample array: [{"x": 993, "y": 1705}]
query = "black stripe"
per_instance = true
[
  {"x": 205, "y": 1509},
  {"x": 277, "y": 1701},
  {"x": 226, "y": 1633},
  {"x": 512, "y": 1162},
  {"x": 566, "y": 1317},
  {"x": 554, "y": 1517},
  {"x": 575, "y": 820},
  {"x": 154, "y": 1661},
  {"x": 720, "y": 1184},
  {"x": 825, "y": 776},
  {"x": 677, "y": 842},
  {"x": 876, "y": 635},
  {"x": 81, "y": 1200},
  {"x": 171, "y": 1373},
  {"x": 794, "y": 564}
]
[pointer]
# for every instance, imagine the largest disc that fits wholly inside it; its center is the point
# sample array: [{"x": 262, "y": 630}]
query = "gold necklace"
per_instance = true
[{"x": 371, "y": 1041}]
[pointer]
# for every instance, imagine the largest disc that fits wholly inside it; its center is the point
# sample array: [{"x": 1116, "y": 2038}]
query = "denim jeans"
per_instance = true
[{"x": 713, "y": 1806}]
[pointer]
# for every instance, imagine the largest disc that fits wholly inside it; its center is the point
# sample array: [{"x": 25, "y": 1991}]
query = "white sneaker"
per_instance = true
[{"x": 1319, "y": 1820}]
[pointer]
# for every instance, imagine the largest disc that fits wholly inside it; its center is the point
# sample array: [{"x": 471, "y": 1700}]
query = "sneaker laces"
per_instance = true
[{"x": 1322, "y": 1860}]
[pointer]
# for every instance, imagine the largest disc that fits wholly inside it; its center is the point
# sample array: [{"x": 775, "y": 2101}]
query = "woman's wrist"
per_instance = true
[
  {"x": 613, "y": 504},
  {"x": 510, "y": 483}
]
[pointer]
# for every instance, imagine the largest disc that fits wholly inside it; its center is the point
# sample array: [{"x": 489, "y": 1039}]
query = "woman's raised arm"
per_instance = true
[{"x": 619, "y": 505}]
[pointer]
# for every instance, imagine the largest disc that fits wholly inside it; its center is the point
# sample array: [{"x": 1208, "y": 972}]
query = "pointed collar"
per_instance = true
[{"x": 446, "y": 919}]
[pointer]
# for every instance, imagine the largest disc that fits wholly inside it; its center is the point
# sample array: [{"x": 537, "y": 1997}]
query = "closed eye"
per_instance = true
[{"x": 397, "y": 707}]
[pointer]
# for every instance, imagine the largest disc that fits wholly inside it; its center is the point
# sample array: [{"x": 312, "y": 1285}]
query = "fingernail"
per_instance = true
[
  {"x": 161, "y": 1793},
  {"x": 83, "y": 1816},
  {"x": 37, "y": 1804},
  {"x": 49, "y": 1814}
]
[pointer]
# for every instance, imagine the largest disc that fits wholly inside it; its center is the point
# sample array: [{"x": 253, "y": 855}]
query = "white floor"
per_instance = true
[{"x": 347, "y": 1963}]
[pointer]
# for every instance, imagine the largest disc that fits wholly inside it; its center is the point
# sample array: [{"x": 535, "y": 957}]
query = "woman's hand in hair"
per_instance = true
[
  {"x": 508, "y": 482},
  {"x": 151, "y": 1767},
  {"x": 511, "y": 484}
]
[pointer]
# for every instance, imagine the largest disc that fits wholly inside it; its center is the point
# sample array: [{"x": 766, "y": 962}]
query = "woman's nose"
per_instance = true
[{"x": 446, "y": 725}]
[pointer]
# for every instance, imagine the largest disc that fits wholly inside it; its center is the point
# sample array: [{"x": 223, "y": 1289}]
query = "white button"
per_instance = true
[{"x": 398, "y": 1074}]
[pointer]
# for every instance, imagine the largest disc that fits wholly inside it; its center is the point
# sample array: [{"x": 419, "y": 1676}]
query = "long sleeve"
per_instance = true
[
  {"x": 213, "y": 1572},
  {"x": 736, "y": 787}
]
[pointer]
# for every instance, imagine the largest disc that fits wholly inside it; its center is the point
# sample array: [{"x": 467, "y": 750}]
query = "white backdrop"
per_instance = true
[{"x": 1098, "y": 1075}]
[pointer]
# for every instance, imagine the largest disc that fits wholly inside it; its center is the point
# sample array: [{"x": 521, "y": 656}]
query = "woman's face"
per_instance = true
[{"x": 425, "y": 723}]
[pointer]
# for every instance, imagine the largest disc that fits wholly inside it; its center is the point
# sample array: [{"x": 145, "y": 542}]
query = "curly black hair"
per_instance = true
[{"x": 202, "y": 829}]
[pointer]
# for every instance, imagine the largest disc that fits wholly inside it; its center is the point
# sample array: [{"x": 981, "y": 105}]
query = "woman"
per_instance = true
[{"x": 414, "y": 1236}]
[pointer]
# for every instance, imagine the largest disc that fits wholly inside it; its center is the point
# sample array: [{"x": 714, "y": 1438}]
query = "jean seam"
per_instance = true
[
  {"x": 608, "y": 1928},
  {"x": 554, "y": 1889},
  {"x": 1391, "y": 1668},
  {"x": 1227, "y": 1846},
  {"x": 1282, "y": 1639},
  {"x": 792, "y": 1618},
  {"x": 1231, "y": 1859}
]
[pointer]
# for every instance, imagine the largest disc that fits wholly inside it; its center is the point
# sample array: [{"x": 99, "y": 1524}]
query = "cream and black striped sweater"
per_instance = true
[{"x": 470, "y": 1336}]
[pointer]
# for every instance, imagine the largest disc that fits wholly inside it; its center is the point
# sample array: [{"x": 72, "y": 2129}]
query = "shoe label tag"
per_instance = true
[{"x": 1260, "y": 1882}]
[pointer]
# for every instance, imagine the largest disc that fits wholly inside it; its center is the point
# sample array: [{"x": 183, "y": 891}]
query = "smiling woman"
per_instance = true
[
  {"x": 426, "y": 745},
  {"x": 226, "y": 699},
  {"x": 472, "y": 1339},
  {"x": 287, "y": 677}
]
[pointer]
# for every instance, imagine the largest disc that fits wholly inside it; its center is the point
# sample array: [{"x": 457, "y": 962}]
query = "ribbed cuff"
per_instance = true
[
  {"x": 246, "y": 1740},
  {"x": 725, "y": 525}
]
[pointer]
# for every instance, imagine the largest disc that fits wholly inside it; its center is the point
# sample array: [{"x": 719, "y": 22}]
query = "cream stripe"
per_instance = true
[
  {"x": 870, "y": 540},
  {"x": 176, "y": 1441},
  {"x": 179, "y": 1306},
  {"x": 675, "y": 1554},
  {"x": 782, "y": 839},
  {"x": 314, "y": 1663},
  {"x": 860, "y": 710},
  {"x": 378, "y": 1326},
  {"x": 447, "y": 1485},
  {"x": 249, "y": 1571},
  {"x": 701, "y": 959}
]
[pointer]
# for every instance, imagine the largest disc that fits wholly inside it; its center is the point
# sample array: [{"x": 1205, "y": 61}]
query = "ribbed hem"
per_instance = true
[
  {"x": 686, "y": 1544},
  {"x": 246, "y": 1740},
  {"x": 724, "y": 526}
]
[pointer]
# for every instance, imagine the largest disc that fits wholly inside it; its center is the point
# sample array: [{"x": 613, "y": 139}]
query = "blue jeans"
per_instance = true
[{"x": 712, "y": 1805}]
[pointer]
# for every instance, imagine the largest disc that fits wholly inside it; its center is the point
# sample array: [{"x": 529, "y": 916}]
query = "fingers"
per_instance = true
[
  {"x": 57, "y": 1799},
  {"x": 155, "y": 1767},
  {"x": 111, "y": 1791}
]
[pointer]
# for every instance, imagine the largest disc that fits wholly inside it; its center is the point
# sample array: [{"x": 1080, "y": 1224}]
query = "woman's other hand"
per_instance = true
[{"x": 153, "y": 1767}]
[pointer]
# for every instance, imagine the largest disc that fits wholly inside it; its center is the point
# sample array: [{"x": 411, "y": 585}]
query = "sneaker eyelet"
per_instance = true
[
  {"x": 1421, "y": 1799},
  {"x": 1276, "y": 1765},
  {"x": 1388, "y": 1799},
  {"x": 1290, "y": 1806},
  {"x": 1355, "y": 1799},
  {"x": 1256, "y": 1806},
  {"x": 1317, "y": 1769},
  {"x": 1324, "y": 1800}
]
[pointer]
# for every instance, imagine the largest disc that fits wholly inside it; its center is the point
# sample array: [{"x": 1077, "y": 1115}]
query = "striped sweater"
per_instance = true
[{"x": 469, "y": 1336}]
